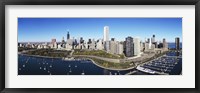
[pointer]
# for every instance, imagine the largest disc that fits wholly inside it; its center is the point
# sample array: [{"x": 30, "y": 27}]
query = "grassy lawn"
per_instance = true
[
  {"x": 112, "y": 64},
  {"x": 99, "y": 53},
  {"x": 49, "y": 53}
]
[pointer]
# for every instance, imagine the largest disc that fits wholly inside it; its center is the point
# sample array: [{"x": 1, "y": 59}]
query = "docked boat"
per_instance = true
[{"x": 145, "y": 70}]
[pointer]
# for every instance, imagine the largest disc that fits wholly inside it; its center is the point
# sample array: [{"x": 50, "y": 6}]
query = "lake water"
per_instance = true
[{"x": 29, "y": 65}]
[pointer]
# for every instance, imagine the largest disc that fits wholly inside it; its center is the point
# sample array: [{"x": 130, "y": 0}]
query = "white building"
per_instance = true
[
  {"x": 113, "y": 47},
  {"x": 136, "y": 46},
  {"x": 100, "y": 44},
  {"x": 68, "y": 47},
  {"x": 119, "y": 48},
  {"x": 106, "y": 33}
]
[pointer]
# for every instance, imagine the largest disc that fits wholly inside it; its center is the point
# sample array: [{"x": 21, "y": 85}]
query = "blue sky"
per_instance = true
[{"x": 44, "y": 29}]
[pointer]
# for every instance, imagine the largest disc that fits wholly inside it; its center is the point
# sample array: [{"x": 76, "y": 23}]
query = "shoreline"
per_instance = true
[
  {"x": 87, "y": 58},
  {"x": 110, "y": 68},
  {"x": 39, "y": 56}
]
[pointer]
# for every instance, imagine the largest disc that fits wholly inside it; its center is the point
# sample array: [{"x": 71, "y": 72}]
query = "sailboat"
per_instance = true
[
  {"x": 83, "y": 73},
  {"x": 70, "y": 70}
]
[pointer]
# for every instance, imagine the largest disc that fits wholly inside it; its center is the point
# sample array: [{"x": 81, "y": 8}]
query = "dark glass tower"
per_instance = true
[
  {"x": 68, "y": 36},
  {"x": 177, "y": 43},
  {"x": 129, "y": 47}
]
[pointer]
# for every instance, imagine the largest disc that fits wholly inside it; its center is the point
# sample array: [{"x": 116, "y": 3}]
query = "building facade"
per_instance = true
[{"x": 129, "y": 47}]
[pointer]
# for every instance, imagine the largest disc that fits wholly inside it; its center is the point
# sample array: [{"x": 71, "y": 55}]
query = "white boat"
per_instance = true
[
  {"x": 83, "y": 73},
  {"x": 70, "y": 70},
  {"x": 68, "y": 58},
  {"x": 145, "y": 70}
]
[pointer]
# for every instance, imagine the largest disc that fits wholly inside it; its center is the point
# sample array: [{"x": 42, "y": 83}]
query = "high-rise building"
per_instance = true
[
  {"x": 107, "y": 46},
  {"x": 81, "y": 40},
  {"x": 150, "y": 43},
  {"x": 106, "y": 33},
  {"x": 119, "y": 48},
  {"x": 53, "y": 43},
  {"x": 113, "y": 47},
  {"x": 136, "y": 46},
  {"x": 68, "y": 36},
  {"x": 100, "y": 44},
  {"x": 153, "y": 39},
  {"x": 112, "y": 39},
  {"x": 165, "y": 45},
  {"x": 177, "y": 43},
  {"x": 89, "y": 41},
  {"x": 129, "y": 46},
  {"x": 63, "y": 40}
]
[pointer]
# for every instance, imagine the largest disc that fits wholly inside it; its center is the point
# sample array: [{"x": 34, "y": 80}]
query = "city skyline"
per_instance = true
[{"x": 44, "y": 29}]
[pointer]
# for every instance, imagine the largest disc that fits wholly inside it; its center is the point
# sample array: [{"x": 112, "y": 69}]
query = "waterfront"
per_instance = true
[{"x": 33, "y": 65}]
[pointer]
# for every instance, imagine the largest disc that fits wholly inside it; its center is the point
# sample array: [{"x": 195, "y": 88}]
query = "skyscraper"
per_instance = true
[
  {"x": 68, "y": 36},
  {"x": 63, "y": 40},
  {"x": 129, "y": 46},
  {"x": 165, "y": 45},
  {"x": 177, "y": 43},
  {"x": 106, "y": 33},
  {"x": 153, "y": 39},
  {"x": 136, "y": 46}
]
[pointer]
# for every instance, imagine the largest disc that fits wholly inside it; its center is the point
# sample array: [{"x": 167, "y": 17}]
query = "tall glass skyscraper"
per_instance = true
[
  {"x": 177, "y": 43},
  {"x": 129, "y": 47},
  {"x": 68, "y": 36},
  {"x": 106, "y": 33},
  {"x": 136, "y": 46}
]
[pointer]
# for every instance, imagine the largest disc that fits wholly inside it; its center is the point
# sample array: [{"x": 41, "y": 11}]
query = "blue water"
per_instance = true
[
  {"x": 172, "y": 45},
  {"x": 57, "y": 66}
]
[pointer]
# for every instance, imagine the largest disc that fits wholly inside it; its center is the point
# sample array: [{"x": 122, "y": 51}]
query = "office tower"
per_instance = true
[
  {"x": 106, "y": 33},
  {"x": 100, "y": 44},
  {"x": 112, "y": 39},
  {"x": 68, "y": 36},
  {"x": 177, "y": 43},
  {"x": 148, "y": 40},
  {"x": 81, "y": 40},
  {"x": 107, "y": 46},
  {"x": 53, "y": 41},
  {"x": 93, "y": 44},
  {"x": 156, "y": 45},
  {"x": 89, "y": 41},
  {"x": 119, "y": 48},
  {"x": 136, "y": 46},
  {"x": 165, "y": 45},
  {"x": 146, "y": 46},
  {"x": 153, "y": 39},
  {"x": 129, "y": 46},
  {"x": 63, "y": 40},
  {"x": 113, "y": 47},
  {"x": 149, "y": 44}
]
